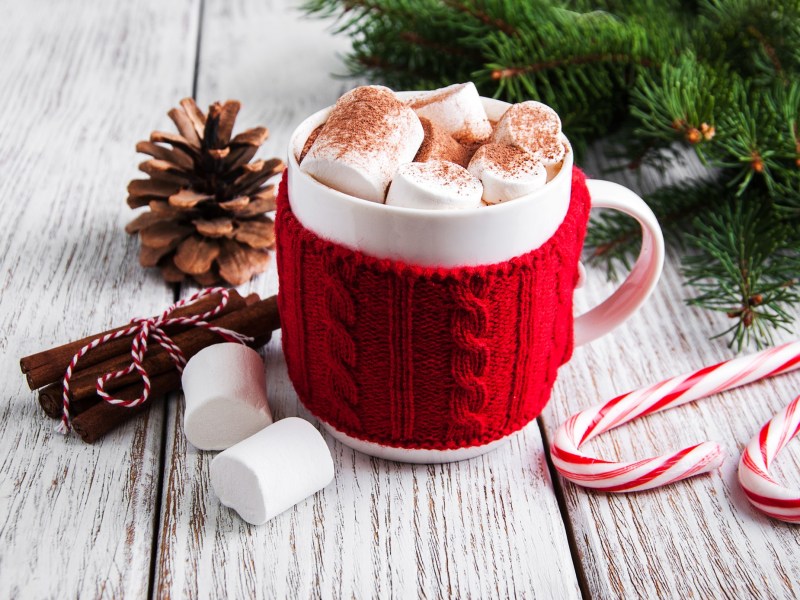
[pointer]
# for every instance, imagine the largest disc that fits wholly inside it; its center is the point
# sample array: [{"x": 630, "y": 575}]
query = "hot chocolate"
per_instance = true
[
  {"x": 374, "y": 143},
  {"x": 440, "y": 145}
]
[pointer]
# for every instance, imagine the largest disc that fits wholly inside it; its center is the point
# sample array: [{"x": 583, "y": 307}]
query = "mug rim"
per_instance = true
[{"x": 444, "y": 213}]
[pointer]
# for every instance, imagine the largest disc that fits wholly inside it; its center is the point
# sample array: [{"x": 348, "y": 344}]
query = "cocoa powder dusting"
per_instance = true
[
  {"x": 533, "y": 118},
  {"x": 549, "y": 148},
  {"x": 472, "y": 146},
  {"x": 467, "y": 139},
  {"x": 508, "y": 159},
  {"x": 426, "y": 149},
  {"x": 431, "y": 98},
  {"x": 439, "y": 145},
  {"x": 359, "y": 119},
  {"x": 309, "y": 142},
  {"x": 446, "y": 174},
  {"x": 539, "y": 127}
]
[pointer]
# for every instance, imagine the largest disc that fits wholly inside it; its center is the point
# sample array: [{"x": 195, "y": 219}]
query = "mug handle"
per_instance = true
[{"x": 641, "y": 281}]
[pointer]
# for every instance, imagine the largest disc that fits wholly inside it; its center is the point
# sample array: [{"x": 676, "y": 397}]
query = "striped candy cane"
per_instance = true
[
  {"x": 661, "y": 470},
  {"x": 763, "y": 491},
  {"x": 142, "y": 329}
]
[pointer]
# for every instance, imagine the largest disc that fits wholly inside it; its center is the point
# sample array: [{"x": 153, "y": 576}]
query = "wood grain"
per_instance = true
[
  {"x": 489, "y": 527},
  {"x": 486, "y": 527},
  {"x": 695, "y": 539},
  {"x": 82, "y": 82}
]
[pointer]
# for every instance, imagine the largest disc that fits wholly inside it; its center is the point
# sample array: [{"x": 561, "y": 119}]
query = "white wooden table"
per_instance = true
[{"x": 134, "y": 515}]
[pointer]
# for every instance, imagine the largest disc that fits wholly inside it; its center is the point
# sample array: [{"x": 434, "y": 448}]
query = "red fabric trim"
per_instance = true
[{"x": 435, "y": 358}]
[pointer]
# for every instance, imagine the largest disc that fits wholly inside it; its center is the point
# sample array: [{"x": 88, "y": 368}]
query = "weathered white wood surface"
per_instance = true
[
  {"x": 695, "y": 539},
  {"x": 489, "y": 527},
  {"x": 81, "y": 83}
]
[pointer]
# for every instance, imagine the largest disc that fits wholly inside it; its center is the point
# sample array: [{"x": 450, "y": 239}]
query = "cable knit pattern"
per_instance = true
[
  {"x": 416, "y": 357},
  {"x": 340, "y": 319},
  {"x": 469, "y": 329},
  {"x": 401, "y": 386}
]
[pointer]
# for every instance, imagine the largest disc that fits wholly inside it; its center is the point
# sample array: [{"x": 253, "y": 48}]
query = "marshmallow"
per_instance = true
[
  {"x": 226, "y": 396},
  {"x": 368, "y": 134},
  {"x": 457, "y": 109},
  {"x": 536, "y": 128},
  {"x": 506, "y": 172},
  {"x": 440, "y": 145},
  {"x": 436, "y": 184},
  {"x": 272, "y": 470},
  {"x": 309, "y": 142}
]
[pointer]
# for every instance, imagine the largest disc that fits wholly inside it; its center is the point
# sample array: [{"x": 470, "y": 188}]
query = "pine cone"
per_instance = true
[{"x": 207, "y": 200}]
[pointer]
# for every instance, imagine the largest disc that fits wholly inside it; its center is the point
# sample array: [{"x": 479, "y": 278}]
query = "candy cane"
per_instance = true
[
  {"x": 763, "y": 491},
  {"x": 661, "y": 470}
]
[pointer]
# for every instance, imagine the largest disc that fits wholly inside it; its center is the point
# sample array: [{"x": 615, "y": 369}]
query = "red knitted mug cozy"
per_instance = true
[{"x": 414, "y": 357}]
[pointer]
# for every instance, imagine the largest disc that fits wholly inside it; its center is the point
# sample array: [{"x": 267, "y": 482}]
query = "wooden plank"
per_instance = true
[
  {"x": 486, "y": 527},
  {"x": 694, "y": 539},
  {"x": 82, "y": 83},
  {"x": 489, "y": 527}
]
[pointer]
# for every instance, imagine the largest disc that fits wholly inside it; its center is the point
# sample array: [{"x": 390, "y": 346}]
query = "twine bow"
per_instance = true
[{"x": 142, "y": 329}]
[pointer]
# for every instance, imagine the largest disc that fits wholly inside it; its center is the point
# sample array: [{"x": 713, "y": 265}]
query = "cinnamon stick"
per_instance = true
[
  {"x": 49, "y": 365},
  {"x": 257, "y": 320},
  {"x": 50, "y": 401},
  {"x": 98, "y": 420}
]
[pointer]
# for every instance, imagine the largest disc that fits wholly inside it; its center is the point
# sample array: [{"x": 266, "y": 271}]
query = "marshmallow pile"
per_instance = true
[
  {"x": 265, "y": 468},
  {"x": 435, "y": 150}
]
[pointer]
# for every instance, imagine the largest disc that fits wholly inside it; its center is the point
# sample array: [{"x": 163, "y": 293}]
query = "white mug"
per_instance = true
[
  {"x": 455, "y": 238},
  {"x": 447, "y": 238}
]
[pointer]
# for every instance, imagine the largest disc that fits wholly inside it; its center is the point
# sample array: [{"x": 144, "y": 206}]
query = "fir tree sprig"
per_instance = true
[
  {"x": 742, "y": 266},
  {"x": 720, "y": 78}
]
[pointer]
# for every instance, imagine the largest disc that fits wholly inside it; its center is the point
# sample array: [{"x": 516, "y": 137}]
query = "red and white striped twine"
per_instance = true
[
  {"x": 648, "y": 473},
  {"x": 142, "y": 329}
]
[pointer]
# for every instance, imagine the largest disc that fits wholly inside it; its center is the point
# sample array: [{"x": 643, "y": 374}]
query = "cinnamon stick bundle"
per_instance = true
[
  {"x": 49, "y": 365},
  {"x": 253, "y": 321},
  {"x": 93, "y": 417}
]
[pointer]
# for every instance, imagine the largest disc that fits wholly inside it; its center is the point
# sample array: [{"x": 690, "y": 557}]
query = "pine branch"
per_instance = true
[
  {"x": 745, "y": 267},
  {"x": 469, "y": 8},
  {"x": 769, "y": 51},
  {"x": 401, "y": 41},
  {"x": 758, "y": 38},
  {"x": 570, "y": 61},
  {"x": 678, "y": 103},
  {"x": 721, "y": 77},
  {"x": 578, "y": 63}
]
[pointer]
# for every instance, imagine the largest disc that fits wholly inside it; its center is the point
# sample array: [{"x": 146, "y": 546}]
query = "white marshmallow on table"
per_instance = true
[
  {"x": 226, "y": 396},
  {"x": 368, "y": 134},
  {"x": 536, "y": 128},
  {"x": 458, "y": 109},
  {"x": 272, "y": 470},
  {"x": 436, "y": 184},
  {"x": 506, "y": 172}
]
